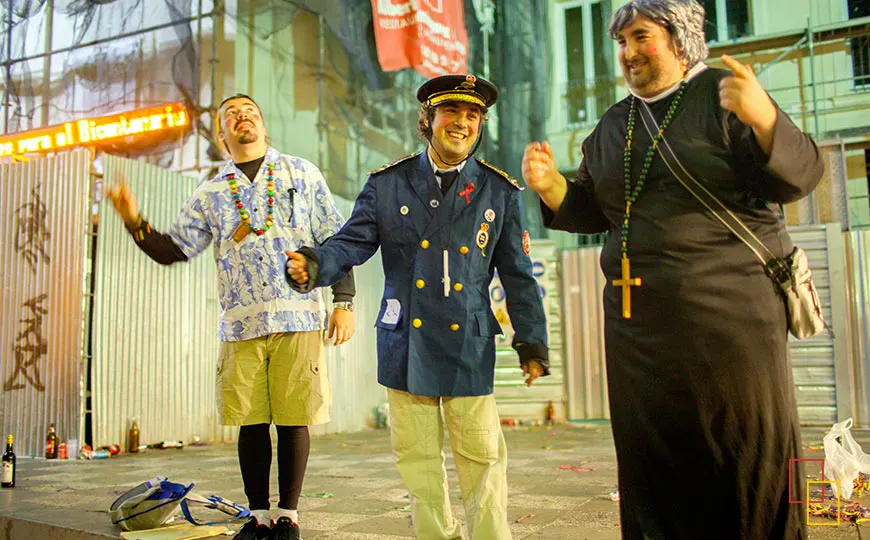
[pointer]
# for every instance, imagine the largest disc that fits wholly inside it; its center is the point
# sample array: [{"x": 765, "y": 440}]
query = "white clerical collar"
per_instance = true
[
  {"x": 457, "y": 168},
  {"x": 691, "y": 74}
]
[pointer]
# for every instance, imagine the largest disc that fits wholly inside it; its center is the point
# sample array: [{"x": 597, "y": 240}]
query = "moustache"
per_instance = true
[{"x": 240, "y": 122}]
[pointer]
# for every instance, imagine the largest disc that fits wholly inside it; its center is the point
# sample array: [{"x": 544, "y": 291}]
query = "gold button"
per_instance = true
[
  {"x": 454, "y": 327},
  {"x": 424, "y": 244},
  {"x": 463, "y": 250},
  {"x": 420, "y": 283},
  {"x": 417, "y": 323},
  {"x": 457, "y": 287}
]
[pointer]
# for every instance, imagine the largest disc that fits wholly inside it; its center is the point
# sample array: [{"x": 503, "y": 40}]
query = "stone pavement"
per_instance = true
[{"x": 67, "y": 500}]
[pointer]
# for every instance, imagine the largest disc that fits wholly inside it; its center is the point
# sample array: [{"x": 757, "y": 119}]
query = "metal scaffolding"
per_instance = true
[{"x": 805, "y": 43}]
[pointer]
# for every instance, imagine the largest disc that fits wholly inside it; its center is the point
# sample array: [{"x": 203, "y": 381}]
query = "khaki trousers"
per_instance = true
[{"x": 481, "y": 462}]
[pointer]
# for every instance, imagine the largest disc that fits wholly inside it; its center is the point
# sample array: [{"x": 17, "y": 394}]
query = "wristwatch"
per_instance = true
[{"x": 347, "y": 306}]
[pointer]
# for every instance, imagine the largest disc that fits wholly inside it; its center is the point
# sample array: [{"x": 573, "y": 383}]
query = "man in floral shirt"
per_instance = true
[{"x": 271, "y": 370}]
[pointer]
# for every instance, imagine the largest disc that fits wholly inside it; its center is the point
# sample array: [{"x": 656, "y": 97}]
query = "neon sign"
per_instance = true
[{"x": 96, "y": 130}]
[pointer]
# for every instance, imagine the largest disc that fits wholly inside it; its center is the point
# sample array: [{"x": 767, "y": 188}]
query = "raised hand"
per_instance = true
[
  {"x": 539, "y": 167},
  {"x": 297, "y": 266},
  {"x": 742, "y": 94},
  {"x": 124, "y": 203},
  {"x": 542, "y": 175}
]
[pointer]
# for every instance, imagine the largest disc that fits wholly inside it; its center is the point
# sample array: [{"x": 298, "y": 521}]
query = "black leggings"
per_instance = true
[{"x": 255, "y": 461}]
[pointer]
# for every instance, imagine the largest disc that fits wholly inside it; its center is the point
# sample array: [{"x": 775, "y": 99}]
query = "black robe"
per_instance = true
[{"x": 702, "y": 400}]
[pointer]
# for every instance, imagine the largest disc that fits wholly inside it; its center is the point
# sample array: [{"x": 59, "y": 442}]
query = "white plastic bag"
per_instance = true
[{"x": 844, "y": 459}]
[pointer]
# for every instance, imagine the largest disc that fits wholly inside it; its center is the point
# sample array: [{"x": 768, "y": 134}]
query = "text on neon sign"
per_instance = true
[{"x": 83, "y": 132}]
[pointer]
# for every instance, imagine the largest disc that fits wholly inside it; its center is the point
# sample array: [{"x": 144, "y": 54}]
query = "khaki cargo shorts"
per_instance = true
[{"x": 276, "y": 379}]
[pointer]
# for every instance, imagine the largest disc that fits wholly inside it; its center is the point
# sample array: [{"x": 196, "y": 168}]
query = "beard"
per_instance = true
[
  {"x": 248, "y": 137},
  {"x": 648, "y": 77}
]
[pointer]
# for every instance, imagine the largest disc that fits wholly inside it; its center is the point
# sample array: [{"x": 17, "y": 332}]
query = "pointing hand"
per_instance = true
[{"x": 742, "y": 94}]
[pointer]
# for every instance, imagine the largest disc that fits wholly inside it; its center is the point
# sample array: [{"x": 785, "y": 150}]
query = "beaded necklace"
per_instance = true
[
  {"x": 243, "y": 213},
  {"x": 631, "y": 195}
]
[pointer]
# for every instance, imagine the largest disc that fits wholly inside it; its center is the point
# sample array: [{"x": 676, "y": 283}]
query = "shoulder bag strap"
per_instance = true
[{"x": 774, "y": 266}]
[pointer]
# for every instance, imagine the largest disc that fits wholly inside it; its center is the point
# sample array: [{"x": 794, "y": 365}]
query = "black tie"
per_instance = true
[{"x": 447, "y": 178}]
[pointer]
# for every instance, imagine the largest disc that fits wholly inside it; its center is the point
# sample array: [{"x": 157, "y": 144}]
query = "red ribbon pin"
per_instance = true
[{"x": 469, "y": 189}]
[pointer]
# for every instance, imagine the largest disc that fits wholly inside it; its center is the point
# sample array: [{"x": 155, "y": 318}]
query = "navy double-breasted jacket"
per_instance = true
[{"x": 436, "y": 337}]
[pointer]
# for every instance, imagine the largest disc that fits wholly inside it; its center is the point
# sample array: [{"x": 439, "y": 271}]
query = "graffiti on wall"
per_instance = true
[
  {"x": 30, "y": 346},
  {"x": 31, "y": 231}
]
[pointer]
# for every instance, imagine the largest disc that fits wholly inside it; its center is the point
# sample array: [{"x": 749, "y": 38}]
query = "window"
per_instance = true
[
  {"x": 860, "y": 45},
  {"x": 586, "y": 60},
  {"x": 726, "y": 19}
]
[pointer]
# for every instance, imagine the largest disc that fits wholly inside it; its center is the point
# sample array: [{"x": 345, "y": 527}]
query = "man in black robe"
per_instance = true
[{"x": 699, "y": 375}]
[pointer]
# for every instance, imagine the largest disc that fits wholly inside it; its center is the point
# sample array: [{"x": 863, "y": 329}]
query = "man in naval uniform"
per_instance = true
[{"x": 445, "y": 222}]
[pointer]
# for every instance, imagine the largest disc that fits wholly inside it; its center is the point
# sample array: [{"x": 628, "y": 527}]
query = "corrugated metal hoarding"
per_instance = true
[
  {"x": 514, "y": 399},
  {"x": 582, "y": 288},
  {"x": 859, "y": 294},
  {"x": 44, "y": 242},
  {"x": 817, "y": 362},
  {"x": 155, "y": 330}
]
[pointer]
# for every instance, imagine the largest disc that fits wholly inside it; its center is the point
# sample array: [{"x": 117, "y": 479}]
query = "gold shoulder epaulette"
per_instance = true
[
  {"x": 510, "y": 179},
  {"x": 394, "y": 163}
]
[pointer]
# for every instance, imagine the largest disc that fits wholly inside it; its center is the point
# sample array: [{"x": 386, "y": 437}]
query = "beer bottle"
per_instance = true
[
  {"x": 7, "y": 478},
  {"x": 51, "y": 443},
  {"x": 133, "y": 437}
]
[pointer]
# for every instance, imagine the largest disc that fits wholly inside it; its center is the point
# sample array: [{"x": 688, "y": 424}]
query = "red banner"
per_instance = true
[{"x": 427, "y": 35}]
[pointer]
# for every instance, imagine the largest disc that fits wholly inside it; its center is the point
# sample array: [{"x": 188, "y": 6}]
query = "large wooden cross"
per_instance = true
[{"x": 626, "y": 283}]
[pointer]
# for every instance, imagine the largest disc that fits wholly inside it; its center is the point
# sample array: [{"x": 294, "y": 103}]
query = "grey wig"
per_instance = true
[{"x": 683, "y": 19}]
